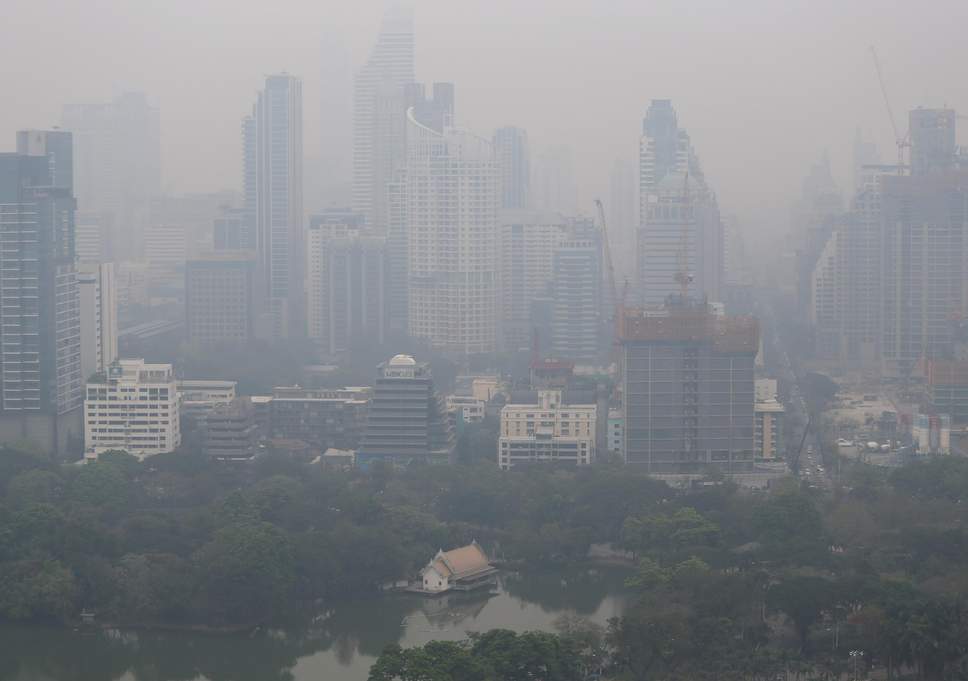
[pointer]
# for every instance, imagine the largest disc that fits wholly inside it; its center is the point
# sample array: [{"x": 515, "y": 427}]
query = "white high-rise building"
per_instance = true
[
  {"x": 451, "y": 187},
  {"x": 273, "y": 200},
  {"x": 133, "y": 408},
  {"x": 378, "y": 111},
  {"x": 514, "y": 156},
  {"x": 99, "y": 317}
]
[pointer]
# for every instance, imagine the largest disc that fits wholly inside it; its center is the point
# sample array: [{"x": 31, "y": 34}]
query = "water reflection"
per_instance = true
[{"x": 341, "y": 643}]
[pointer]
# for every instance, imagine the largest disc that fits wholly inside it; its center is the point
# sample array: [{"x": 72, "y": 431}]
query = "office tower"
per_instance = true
[
  {"x": 814, "y": 215},
  {"x": 220, "y": 300},
  {"x": 273, "y": 186},
  {"x": 768, "y": 432},
  {"x": 40, "y": 363},
  {"x": 346, "y": 283},
  {"x": 688, "y": 390},
  {"x": 576, "y": 290},
  {"x": 90, "y": 240},
  {"x": 527, "y": 242},
  {"x": 387, "y": 70},
  {"x": 933, "y": 145},
  {"x": 553, "y": 184},
  {"x": 165, "y": 251},
  {"x": 547, "y": 429},
  {"x": 924, "y": 248},
  {"x": 228, "y": 230},
  {"x": 98, "y": 316},
  {"x": 133, "y": 407},
  {"x": 514, "y": 158},
  {"x": 196, "y": 214},
  {"x": 864, "y": 154},
  {"x": 406, "y": 422},
  {"x": 117, "y": 163},
  {"x": 680, "y": 233},
  {"x": 333, "y": 162},
  {"x": 450, "y": 213}
]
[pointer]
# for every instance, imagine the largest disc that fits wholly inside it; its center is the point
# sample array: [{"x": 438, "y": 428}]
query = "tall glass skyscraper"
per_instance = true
[
  {"x": 272, "y": 158},
  {"x": 41, "y": 388}
]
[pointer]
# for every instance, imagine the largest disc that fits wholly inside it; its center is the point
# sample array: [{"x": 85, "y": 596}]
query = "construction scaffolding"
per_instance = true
[{"x": 690, "y": 325}]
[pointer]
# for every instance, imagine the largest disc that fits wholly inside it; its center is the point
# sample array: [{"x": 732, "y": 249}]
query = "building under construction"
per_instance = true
[{"x": 688, "y": 389}]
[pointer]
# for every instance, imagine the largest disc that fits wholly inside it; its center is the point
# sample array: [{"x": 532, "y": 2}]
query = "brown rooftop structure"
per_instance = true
[{"x": 689, "y": 325}]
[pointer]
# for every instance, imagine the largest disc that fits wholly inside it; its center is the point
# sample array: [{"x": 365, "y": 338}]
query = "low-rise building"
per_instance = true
[
  {"x": 460, "y": 569},
  {"x": 546, "y": 429},
  {"x": 615, "y": 432},
  {"x": 768, "y": 430},
  {"x": 232, "y": 433},
  {"x": 198, "y": 397},
  {"x": 323, "y": 418},
  {"x": 132, "y": 407},
  {"x": 471, "y": 409}
]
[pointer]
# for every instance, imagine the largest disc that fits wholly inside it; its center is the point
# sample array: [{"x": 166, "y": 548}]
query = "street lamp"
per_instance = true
[{"x": 855, "y": 656}]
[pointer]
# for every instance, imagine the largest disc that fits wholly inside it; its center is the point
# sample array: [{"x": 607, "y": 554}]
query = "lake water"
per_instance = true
[{"x": 340, "y": 645}]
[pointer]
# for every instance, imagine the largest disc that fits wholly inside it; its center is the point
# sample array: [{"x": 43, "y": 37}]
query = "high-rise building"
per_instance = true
[
  {"x": 117, "y": 163},
  {"x": 514, "y": 157},
  {"x": 273, "y": 186},
  {"x": 527, "y": 243},
  {"x": 435, "y": 113},
  {"x": 406, "y": 422},
  {"x": 680, "y": 234},
  {"x": 221, "y": 305},
  {"x": 547, "y": 429},
  {"x": 90, "y": 239},
  {"x": 924, "y": 250},
  {"x": 377, "y": 84},
  {"x": 450, "y": 199},
  {"x": 933, "y": 145},
  {"x": 346, "y": 282},
  {"x": 40, "y": 363},
  {"x": 688, "y": 390},
  {"x": 576, "y": 289},
  {"x": 98, "y": 316},
  {"x": 132, "y": 407},
  {"x": 553, "y": 184}
]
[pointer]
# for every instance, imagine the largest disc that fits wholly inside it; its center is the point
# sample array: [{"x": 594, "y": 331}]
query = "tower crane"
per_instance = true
[
  {"x": 617, "y": 302},
  {"x": 901, "y": 142}
]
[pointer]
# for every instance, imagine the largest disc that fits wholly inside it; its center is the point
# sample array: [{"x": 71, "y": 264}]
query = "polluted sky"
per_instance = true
[{"x": 763, "y": 87}]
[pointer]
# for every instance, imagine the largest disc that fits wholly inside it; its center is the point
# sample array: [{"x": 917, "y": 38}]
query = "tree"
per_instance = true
[{"x": 803, "y": 599}]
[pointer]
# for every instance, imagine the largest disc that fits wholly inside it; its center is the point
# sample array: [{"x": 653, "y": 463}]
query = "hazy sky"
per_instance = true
[{"x": 762, "y": 86}]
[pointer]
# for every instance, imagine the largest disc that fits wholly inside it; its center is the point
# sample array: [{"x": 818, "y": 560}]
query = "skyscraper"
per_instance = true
[
  {"x": 220, "y": 300},
  {"x": 527, "y": 242},
  {"x": 40, "y": 363},
  {"x": 450, "y": 214},
  {"x": 381, "y": 79},
  {"x": 273, "y": 186},
  {"x": 514, "y": 157},
  {"x": 577, "y": 294},
  {"x": 346, "y": 282},
  {"x": 933, "y": 146},
  {"x": 117, "y": 163},
  {"x": 679, "y": 223}
]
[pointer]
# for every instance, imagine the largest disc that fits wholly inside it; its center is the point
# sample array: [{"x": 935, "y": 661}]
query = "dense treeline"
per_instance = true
[{"x": 730, "y": 583}]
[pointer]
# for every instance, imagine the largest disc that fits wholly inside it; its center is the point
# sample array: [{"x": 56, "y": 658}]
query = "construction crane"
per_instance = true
[
  {"x": 682, "y": 276},
  {"x": 901, "y": 142},
  {"x": 616, "y": 303}
]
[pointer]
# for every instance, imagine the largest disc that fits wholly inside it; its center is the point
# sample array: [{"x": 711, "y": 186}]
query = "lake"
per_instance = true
[{"x": 339, "y": 645}]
